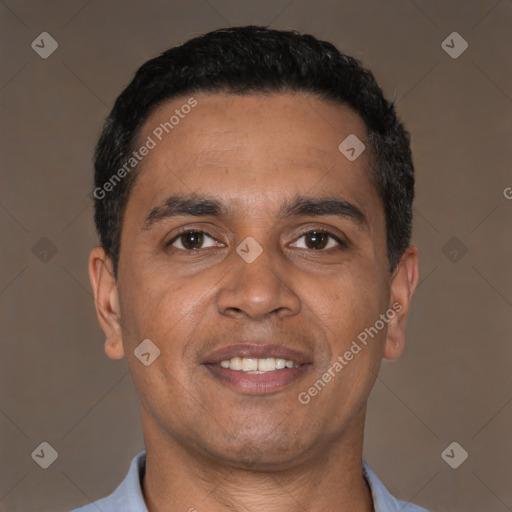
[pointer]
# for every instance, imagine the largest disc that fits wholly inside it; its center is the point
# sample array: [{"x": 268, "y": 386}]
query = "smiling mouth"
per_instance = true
[
  {"x": 257, "y": 382},
  {"x": 257, "y": 369}
]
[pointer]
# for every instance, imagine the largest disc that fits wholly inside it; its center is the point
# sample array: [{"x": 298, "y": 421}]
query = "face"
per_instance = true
[{"x": 249, "y": 240}]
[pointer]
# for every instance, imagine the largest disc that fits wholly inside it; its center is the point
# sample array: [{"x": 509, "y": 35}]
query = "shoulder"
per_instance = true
[
  {"x": 383, "y": 500},
  {"x": 127, "y": 496}
]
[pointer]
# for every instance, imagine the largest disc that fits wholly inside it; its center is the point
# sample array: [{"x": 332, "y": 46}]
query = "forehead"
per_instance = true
[
  {"x": 311, "y": 124},
  {"x": 252, "y": 148}
]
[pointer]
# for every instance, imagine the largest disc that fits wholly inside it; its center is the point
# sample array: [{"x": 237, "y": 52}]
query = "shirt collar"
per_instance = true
[
  {"x": 382, "y": 499},
  {"x": 128, "y": 495}
]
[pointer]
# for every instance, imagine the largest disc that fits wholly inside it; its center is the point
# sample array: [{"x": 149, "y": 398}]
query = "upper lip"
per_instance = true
[{"x": 256, "y": 351}]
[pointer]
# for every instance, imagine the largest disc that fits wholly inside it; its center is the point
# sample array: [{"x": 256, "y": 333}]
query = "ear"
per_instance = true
[
  {"x": 106, "y": 300},
  {"x": 403, "y": 283}
]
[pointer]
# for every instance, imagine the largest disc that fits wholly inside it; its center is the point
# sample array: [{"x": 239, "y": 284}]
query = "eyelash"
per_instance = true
[{"x": 341, "y": 243}]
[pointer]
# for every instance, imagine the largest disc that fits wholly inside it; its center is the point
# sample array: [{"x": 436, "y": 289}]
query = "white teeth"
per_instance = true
[
  {"x": 267, "y": 365},
  {"x": 235, "y": 363},
  {"x": 249, "y": 365},
  {"x": 252, "y": 365},
  {"x": 280, "y": 364}
]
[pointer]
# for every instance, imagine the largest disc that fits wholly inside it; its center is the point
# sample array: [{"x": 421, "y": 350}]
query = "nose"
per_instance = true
[{"x": 257, "y": 290}]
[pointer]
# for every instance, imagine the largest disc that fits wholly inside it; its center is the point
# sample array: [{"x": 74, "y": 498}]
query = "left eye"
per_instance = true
[
  {"x": 190, "y": 240},
  {"x": 318, "y": 239}
]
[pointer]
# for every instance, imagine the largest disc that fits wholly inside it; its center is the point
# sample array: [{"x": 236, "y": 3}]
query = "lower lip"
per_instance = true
[{"x": 257, "y": 383}]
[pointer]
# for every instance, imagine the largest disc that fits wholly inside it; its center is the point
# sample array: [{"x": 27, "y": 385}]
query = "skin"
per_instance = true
[{"x": 209, "y": 446}]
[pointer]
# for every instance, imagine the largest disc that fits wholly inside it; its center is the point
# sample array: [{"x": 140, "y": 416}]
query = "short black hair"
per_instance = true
[{"x": 246, "y": 60}]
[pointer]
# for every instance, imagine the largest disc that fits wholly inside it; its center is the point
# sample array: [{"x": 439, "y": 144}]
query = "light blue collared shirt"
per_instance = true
[{"x": 128, "y": 495}]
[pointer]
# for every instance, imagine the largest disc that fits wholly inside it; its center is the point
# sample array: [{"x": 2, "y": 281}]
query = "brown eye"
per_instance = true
[
  {"x": 190, "y": 240},
  {"x": 317, "y": 240}
]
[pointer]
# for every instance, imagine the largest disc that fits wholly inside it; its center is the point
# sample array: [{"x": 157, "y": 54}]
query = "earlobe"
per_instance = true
[
  {"x": 106, "y": 300},
  {"x": 403, "y": 284}
]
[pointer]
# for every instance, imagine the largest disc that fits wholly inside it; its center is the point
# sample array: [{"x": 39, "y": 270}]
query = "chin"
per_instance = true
[{"x": 260, "y": 452}]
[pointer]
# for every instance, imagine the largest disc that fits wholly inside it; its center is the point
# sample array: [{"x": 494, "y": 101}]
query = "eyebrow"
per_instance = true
[{"x": 203, "y": 206}]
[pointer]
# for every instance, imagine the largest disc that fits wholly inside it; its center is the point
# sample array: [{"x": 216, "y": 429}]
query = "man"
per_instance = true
[{"x": 253, "y": 197}]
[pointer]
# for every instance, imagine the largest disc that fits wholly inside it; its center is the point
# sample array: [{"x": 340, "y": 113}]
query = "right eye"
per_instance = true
[{"x": 189, "y": 240}]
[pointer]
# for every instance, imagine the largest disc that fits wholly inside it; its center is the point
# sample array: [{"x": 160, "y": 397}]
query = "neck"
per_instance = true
[{"x": 178, "y": 478}]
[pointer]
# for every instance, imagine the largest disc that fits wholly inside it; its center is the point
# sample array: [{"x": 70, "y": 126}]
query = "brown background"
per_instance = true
[{"x": 453, "y": 382}]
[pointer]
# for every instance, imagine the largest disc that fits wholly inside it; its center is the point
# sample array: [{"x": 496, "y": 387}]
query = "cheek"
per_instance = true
[
  {"x": 348, "y": 302},
  {"x": 156, "y": 307},
  {"x": 350, "y": 305},
  {"x": 167, "y": 312},
  {"x": 173, "y": 313}
]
